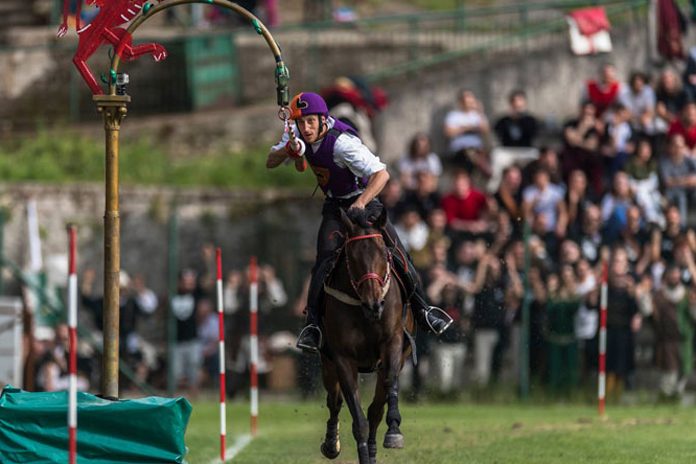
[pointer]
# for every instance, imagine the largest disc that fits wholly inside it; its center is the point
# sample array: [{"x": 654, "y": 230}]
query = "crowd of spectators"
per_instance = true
[{"x": 615, "y": 185}]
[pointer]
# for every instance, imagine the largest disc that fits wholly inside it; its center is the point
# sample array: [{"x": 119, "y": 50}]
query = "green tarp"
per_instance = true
[{"x": 33, "y": 429}]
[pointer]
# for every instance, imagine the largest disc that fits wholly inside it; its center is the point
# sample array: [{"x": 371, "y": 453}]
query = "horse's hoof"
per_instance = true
[
  {"x": 394, "y": 441},
  {"x": 331, "y": 453}
]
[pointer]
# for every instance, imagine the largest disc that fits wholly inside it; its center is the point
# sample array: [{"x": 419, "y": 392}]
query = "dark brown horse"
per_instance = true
[{"x": 364, "y": 323}]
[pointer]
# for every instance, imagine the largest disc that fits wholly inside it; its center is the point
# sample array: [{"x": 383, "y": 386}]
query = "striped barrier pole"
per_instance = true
[
  {"x": 254, "y": 342},
  {"x": 221, "y": 342},
  {"x": 602, "y": 390},
  {"x": 72, "y": 346}
]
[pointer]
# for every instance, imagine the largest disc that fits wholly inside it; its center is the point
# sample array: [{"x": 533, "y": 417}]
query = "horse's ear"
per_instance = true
[
  {"x": 381, "y": 220},
  {"x": 346, "y": 220}
]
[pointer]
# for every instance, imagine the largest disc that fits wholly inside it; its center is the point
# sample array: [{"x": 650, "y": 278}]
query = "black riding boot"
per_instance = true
[
  {"x": 311, "y": 338},
  {"x": 428, "y": 317}
]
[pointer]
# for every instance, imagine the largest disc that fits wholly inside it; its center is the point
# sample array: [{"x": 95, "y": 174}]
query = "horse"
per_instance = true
[{"x": 365, "y": 324}]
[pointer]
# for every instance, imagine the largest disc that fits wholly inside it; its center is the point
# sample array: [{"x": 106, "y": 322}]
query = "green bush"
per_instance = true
[{"x": 67, "y": 157}]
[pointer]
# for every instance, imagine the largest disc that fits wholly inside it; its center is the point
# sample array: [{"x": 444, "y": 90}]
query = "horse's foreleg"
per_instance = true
[
  {"x": 348, "y": 378},
  {"x": 331, "y": 447},
  {"x": 393, "y": 437},
  {"x": 375, "y": 413}
]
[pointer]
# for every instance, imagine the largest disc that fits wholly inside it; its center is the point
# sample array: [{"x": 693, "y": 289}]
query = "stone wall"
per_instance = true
[
  {"x": 37, "y": 82},
  {"x": 278, "y": 227}
]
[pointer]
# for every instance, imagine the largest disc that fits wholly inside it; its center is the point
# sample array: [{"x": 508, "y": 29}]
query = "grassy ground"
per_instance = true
[{"x": 290, "y": 432}]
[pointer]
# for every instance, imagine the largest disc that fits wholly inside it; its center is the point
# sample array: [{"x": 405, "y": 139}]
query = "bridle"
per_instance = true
[{"x": 384, "y": 282}]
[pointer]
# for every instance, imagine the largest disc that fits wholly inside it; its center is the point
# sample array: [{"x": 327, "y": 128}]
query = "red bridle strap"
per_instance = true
[
  {"x": 363, "y": 237},
  {"x": 383, "y": 281}
]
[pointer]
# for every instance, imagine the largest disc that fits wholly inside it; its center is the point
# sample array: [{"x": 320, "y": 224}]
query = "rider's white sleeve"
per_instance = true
[{"x": 351, "y": 153}]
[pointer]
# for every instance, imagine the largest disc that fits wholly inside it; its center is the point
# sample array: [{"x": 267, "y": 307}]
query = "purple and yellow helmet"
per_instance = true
[{"x": 307, "y": 103}]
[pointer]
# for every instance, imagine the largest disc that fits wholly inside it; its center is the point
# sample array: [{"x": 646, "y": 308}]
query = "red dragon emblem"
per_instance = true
[{"x": 104, "y": 29}]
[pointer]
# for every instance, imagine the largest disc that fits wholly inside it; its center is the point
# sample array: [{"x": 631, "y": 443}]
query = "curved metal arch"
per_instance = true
[{"x": 166, "y": 4}]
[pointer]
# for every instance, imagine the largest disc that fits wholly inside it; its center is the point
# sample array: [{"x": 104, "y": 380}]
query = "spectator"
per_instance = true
[
  {"x": 53, "y": 373},
  {"x": 562, "y": 305},
  {"x": 589, "y": 236},
  {"x": 488, "y": 318},
  {"x": 509, "y": 198},
  {"x": 391, "y": 198},
  {"x": 615, "y": 206},
  {"x": 635, "y": 241},
  {"x": 605, "y": 91},
  {"x": 673, "y": 310},
  {"x": 208, "y": 337},
  {"x": 412, "y": 230},
  {"x": 581, "y": 138},
  {"x": 678, "y": 173},
  {"x": 684, "y": 260},
  {"x": 448, "y": 356},
  {"x": 664, "y": 241},
  {"x": 577, "y": 200},
  {"x": 517, "y": 128},
  {"x": 136, "y": 302},
  {"x": 639, "y": 98},
  {"x": 465, "y": 207},
  {"x": 671, "y": 98},
  {"x": 617, "y": 144},
  {"x": 548, "y": 159},
  {"x": 420, "y": 158},
  {"x": 187, "y": 352},
  {"x": 546, "y": 199},
  {"x": 623, "y": 320},
  {"x": 686, "y": 126},
  {"x": 425, "y": 197},
  {"x": 645, "y": 182},
  {"x": 467, "y": 128},
  {"x": 689, "y": 76}
]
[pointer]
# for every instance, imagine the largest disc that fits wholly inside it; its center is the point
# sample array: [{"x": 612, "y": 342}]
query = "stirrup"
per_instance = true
[
  {"x": 441, "y": 315},
  {"x": 310, "y": 348}
]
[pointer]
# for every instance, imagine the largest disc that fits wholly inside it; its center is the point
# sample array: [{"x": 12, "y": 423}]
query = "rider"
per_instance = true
[{"x": 351, "y": 177}]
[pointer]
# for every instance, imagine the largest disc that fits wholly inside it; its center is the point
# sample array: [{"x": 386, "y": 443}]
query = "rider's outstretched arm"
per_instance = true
[{"x": 276, "y": 158}]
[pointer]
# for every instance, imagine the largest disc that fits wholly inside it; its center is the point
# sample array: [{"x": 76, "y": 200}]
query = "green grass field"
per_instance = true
[{"x": 290, "y": 432}]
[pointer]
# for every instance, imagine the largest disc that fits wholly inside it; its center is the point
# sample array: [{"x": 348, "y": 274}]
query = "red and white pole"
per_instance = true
[
  {"x": 254, "y": 342},
  {"x": 72, "y": 346},
  {"x": 221, "y": 343},
  {"x": 603, "y": 340}
]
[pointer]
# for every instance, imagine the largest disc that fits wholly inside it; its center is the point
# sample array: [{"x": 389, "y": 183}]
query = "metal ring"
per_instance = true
[{"x": 284, "y": 113}]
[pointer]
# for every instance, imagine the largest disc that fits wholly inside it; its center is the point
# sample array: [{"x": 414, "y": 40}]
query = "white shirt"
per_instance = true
[
  {"x": 459, "y": 118},
  {"x": 546, "y": 202},
  {"x": 349, "y": 152}
]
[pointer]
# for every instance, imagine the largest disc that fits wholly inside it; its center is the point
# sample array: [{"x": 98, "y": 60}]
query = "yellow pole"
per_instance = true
[{"x": 113, "y": 108}]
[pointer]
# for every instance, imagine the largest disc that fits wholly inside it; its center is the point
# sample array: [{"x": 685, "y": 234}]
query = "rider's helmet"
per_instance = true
[{"x": 306, "y": 103}]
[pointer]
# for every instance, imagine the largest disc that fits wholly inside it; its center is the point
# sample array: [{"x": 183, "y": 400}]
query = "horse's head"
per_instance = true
[{"x": 368, "y": 262}]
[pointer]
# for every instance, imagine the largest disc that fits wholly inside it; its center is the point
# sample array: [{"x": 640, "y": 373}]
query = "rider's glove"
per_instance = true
[{"x": 291, "y": 152}]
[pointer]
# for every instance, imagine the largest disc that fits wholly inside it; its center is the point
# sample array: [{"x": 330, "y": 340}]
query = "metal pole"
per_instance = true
[
  {"x": 254, "y": 342},
  {"x": 172, "y": 269},
  {"x": 221, "y": 351},
  {"x": 524, "y": 335},
  {"x": 72, "y": 328},
  {"x": 113, "y": 108},
  {"x": 602, "y": 377}
]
